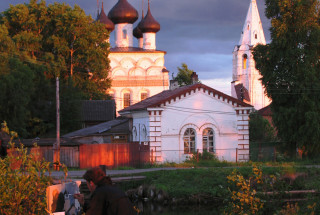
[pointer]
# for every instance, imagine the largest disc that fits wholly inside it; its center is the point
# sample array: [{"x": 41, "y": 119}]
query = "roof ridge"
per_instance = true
[{"x": 167, "y": 95}]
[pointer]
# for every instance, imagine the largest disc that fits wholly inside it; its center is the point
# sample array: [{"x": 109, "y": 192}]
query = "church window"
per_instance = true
[
  {"x": 126, "y": 99},
  {"x": 143, "y": 95},
  {"x": 208, "y": 140},
  {"x": 124, "y": 34},
  {"x": 256, "y": 36},
  {"x": 244, "y": 59},
  {"x": 189, "y": 139}
]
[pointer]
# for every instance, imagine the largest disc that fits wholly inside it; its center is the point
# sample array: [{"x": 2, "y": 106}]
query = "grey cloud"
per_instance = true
[{"x": 201, "y": 33}]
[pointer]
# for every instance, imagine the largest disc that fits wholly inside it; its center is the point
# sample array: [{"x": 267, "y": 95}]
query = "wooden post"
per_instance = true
[
  {"x": 236, "y": 155},
  {"x": 151, "y": 156},
  {"x": 56, "y": 147},
  {"x": 197, "y": 155},
  {"x": 114, "y": 159}
]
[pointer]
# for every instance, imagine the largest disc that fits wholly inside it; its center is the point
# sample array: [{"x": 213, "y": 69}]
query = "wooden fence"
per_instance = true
[
  {"x": 90, "y": 155},
  {"x": 113, "y": 155},
  {"x": 68, "y": 155}
]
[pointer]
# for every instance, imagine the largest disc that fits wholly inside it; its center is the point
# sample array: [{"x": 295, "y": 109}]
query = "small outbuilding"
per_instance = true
[
  {"x": 178, "y": 123},
  {"x": 114, "y": 131}
]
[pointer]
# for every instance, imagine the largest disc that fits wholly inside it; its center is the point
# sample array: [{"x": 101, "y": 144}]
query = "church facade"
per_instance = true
[
  {"x": 136, "y": 72},
  {"x": 246, "y": 84}
]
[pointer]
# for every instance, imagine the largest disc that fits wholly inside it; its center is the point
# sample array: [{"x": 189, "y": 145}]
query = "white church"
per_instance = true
[
  {"x": 245, "y": 84},
  {"x": 177, "y": 123},
  {"x": 136, "y": 72}
]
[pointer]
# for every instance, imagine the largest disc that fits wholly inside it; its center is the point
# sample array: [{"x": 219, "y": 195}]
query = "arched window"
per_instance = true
[
  {"x": 134, "y": 133},
  {"x": 144, "y": 133},
  {"x": 143, "y": 95},
  {"x": 255, "y": 35},
  {"x": 126, "y": 99},
  {"x": 244, "y": 61},
  {"x": 208, "y": 140},
  {"x": 189, "y": 139},
  {"x": 124, "y": 34}
]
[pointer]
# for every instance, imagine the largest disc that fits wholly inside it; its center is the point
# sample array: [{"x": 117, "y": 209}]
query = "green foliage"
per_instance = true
[
  {"x": 184, "y": 75},
  {"x": 15, "y": 95},
  {"x": 187, "y": 183},
  {"x": 39, "y": 43},
  {"x": 205, "y": 159},
  {"x": 23, "y": 181},
  {"x": 263, "y": 140},
  {"x": 290, "y": 67},
  {"x": 260, "y": 129}
]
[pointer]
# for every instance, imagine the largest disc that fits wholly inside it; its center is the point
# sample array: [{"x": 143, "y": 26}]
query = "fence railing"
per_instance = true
[{"x": 113, "y": 155}]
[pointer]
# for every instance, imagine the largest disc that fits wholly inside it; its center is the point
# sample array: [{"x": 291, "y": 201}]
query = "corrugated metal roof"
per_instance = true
[
  {"x": 96, "y": 129},
  {"x": 46, "y": 142}
]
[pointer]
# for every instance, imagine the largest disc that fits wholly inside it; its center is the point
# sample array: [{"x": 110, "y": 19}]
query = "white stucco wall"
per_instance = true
[
  {"x": 140, "y": 127},
  {"x": 199, "y": 110}
]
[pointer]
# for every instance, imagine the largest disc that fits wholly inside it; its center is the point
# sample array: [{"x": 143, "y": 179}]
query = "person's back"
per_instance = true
[
  {"x": 112, "y": 199},
  {"x": 105, "y": 199}
]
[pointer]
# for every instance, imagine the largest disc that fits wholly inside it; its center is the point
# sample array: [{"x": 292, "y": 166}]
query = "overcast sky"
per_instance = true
[{"x": 200, "y": 33}]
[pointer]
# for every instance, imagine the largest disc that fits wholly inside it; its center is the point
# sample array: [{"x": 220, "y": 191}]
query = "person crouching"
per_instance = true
[{"x": 105, "y": 198}]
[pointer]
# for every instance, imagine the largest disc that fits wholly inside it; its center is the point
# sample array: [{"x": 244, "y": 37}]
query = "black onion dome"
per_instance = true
[
  {"x": 137, "y": 32},
  {"x": 105, "y": 20},
  {"x": 123, "y": 12},
  {"x": 149, "y": 24}
]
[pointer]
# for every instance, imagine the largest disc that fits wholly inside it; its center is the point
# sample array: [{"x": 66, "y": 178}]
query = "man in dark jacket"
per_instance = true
[{"x": 105, "y": 199}]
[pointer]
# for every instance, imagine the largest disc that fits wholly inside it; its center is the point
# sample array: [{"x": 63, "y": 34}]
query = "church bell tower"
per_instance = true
[{"x": 245, "y": 84}]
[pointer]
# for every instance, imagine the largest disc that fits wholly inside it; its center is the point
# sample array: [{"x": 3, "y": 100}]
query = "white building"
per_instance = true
[
  {"x": 192, "y": 118},
  {"x": 245, "y": 83},
  {"x": 136, "y": 72}
]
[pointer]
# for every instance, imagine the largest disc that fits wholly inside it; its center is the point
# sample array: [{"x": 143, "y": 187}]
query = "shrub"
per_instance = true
[
  {"x": 244, "y": 199},
  {"x": 23, "y": 181}
]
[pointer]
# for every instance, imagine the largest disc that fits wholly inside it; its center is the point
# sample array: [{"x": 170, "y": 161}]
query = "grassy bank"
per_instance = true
[{"x": 201, "y": 185}]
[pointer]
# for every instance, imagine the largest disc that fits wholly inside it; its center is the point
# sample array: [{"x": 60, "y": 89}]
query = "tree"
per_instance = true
[
  {"x": 290, "y": 70},
  {"x": 65, "y": 36},
  {"x": 184, "y": 76},
  {"x": 15, "y": 94},
  {"x": 260, "y": 129},
  {"x": 39, "y": 43}
]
